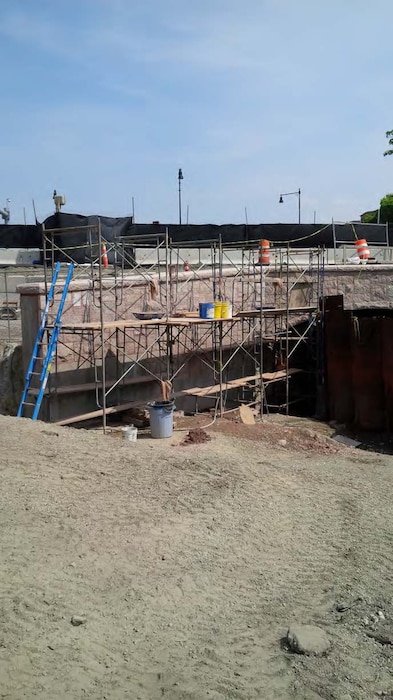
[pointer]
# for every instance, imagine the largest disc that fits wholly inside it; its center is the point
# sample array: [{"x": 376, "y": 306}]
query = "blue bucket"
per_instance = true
[
  {"x": 206, "y": 310},
  {"x": 161, "y": 418}
]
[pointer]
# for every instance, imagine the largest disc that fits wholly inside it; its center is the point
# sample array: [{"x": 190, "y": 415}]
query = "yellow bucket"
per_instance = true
[
  {"x": 226, "y": 309},
  {"x": 217, "y": 309}
]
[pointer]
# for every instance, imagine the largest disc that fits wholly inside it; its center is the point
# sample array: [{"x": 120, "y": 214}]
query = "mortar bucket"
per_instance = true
[
  {"x": 217, "y": 309},
  {"x": 226, "y": 309},
  {"x": 206, "y": 310},
  {"x": 161, "y": 418},
  {"x": 130, "y": 433}
]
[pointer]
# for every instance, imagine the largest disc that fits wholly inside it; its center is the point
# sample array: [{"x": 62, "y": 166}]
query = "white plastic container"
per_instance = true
[{"x": 130, "y": 433}]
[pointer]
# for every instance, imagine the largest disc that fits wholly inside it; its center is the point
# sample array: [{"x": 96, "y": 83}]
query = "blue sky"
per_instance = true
[{"x": 105, "y": 100}]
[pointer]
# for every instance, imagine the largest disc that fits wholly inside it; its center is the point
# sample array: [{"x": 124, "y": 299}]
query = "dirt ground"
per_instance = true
[{"x": 187, "y": 564}]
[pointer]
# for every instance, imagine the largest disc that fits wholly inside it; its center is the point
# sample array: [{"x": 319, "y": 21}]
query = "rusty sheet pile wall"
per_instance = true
[{"x": 359, "y": 363}]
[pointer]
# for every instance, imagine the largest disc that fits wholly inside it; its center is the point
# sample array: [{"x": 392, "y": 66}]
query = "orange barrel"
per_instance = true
[
  {"x": 362, "y": 249},
  {"x": 264, "y": 252},
  {"x": 104, "y": 256}
]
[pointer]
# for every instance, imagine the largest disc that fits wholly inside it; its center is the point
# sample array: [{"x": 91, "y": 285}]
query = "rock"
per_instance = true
[
  {"x": 344, "y": 440},
  {"x": 78, "y": 620},
  {"x": 380, "y": 615},
  {"x": 307, "y": 639},
  {"x": 341, "y": 607},
  {"x": 282, "y": 442}
]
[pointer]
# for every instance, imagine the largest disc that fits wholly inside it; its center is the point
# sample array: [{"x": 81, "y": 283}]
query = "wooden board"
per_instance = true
[
  {"x": 276, "y": 312},
  {"x": 268, "y": 377},
  {"x": 122, "y": 324},
  {"x": 180, "y": 321},
  {"x": 246, "y": 415},
  {"x": 109, "y": 411},
  {"x": 99, "y": 412}
]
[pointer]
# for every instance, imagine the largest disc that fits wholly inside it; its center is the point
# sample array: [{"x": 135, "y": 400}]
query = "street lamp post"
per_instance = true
[
  {"x": 180, "y": 178},
  {"x": 298, "y": 194}
]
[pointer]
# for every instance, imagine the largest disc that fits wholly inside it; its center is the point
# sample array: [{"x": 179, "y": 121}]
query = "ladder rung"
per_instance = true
[{"x": 50, "y": 345}]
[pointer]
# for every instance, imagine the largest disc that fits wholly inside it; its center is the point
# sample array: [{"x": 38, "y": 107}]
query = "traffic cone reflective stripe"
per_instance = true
[{"x": 104, "y": 256}]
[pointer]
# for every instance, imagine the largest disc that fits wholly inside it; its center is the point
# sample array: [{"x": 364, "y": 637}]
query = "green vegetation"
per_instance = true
[
  {"x": 389, "y": 136},
  {"x": 385, "y": 211}
]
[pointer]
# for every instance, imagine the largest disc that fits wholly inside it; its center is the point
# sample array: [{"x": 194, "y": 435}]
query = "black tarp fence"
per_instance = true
[
  {"x": 73, "y": 236},
  {"x": 79, "y": 244},
  {"x": 20, "y": 236}
]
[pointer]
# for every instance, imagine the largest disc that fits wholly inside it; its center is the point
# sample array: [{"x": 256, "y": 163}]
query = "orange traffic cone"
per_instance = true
[{"x": 104, "y": 256}]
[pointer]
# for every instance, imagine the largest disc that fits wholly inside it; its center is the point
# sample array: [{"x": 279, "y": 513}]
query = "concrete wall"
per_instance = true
[{"x": 11, "y": 377}]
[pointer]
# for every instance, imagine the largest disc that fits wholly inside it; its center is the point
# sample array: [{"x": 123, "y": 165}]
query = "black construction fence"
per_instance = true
[{"x": 112, "y": 229}]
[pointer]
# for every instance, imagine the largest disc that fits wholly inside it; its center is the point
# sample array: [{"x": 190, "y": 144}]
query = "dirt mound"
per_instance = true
[
  {"x": 196, "y": 437},
  {"x": 145, "y": 571},
  {"x": 275, "y": 436}
]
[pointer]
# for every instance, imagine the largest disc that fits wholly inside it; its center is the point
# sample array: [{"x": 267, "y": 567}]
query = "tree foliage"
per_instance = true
[
  {"x": 386, "y": 208},
  {"x": 369, "y": 217},
  {"x": 383, "y": 214},
  {"x": 389, "y": 136}
]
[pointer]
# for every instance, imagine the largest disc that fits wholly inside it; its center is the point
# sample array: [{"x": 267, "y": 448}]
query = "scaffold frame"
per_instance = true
[{"x": 165, "y": 344}]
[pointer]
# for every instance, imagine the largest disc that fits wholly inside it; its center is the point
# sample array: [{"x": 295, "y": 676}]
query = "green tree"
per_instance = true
[
  {"x": 383, "y": 214},
  {"x": 386, "y": 208},
  {"x": 369, "y": 217},
  {"x": 389, "y": 135}
]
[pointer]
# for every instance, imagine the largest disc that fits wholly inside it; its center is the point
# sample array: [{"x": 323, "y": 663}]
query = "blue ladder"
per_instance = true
[{"x": 51, "y": 347}]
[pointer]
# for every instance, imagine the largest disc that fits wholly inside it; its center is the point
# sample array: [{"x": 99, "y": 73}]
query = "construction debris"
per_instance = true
[
  {"x": 246, "y": 415},
  {"x": 196, "y": 437}
]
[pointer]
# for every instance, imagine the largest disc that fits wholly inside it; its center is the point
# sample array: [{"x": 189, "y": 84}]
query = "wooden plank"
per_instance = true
[
  {"x": 181, "y": 321},
  {"x": 246, "y": 415},
  {"x": 119, "y": 324},
  {"x": 276, "y": 312},
  {"x": 112, "y": 409},
  {"x": 99, "y": 412},
  {"x": 130, "y": 323},
  {"x": 267, "y": 377}
]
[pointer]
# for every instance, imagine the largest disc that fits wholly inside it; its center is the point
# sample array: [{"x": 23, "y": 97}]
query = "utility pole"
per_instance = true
[{"x": 180, "y": 178}]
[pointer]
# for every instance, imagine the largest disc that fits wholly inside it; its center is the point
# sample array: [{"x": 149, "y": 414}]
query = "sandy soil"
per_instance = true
[{"x": 187, "y": 564}]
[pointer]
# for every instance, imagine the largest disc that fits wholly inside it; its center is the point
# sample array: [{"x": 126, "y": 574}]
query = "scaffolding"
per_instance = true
[
  {"x": 133, "y": 329},
  {"x": 344, "y": 252}
]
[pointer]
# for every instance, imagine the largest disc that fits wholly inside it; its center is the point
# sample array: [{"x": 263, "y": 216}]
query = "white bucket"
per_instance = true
[{"x": 130, "y": 433}]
